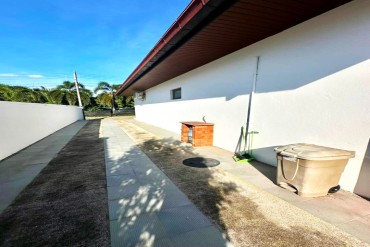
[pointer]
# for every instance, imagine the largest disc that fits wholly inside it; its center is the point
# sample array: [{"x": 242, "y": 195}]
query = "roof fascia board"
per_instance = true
[{"x": 198, "y": 14}]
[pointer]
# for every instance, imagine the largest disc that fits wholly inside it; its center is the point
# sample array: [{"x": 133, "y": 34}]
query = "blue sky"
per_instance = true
[{"x": 42, "y": 42}]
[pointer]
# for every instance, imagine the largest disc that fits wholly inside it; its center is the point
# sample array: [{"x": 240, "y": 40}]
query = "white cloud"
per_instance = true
[
  {"x": 8, "y": 75},
  {"x": 35, "y": 76}
]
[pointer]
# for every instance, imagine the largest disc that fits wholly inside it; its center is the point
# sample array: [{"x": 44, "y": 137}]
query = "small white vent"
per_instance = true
[{"x": 139, "y": 95}]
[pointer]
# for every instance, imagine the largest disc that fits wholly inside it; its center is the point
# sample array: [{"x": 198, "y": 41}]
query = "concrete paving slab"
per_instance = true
[
  {"x": 248, "y": 173},
  {"x": 31, "y": 158},
  {"x": 117, "y": 169},
  {"x": 114, "y": 157},
  {"x": 286, "y": 195},
  {"x": 150, "y": 176},
  {"x": 262, "y": 183},
  {"x": 155, "y": 178},
  {"x": 182, "y": 219},
  {"x": 121, "y": 180},
  {"x": 119, "y": 192},
  {"x": 203, "y": 237},
  {"x": 336, "y": 209},
  {"x": 130, "y": 157},
  {"x": 140, "y": 230},
  {"x": 358, "y": 227},
  {"x": 141, "y": 199},
  {"x": 10, "y": 189},
  {"x": 142, "y": 202},
  {"x": 147, "y": 169},
  {"x": 3, "y": 203},
  {"x": 173, "y": 199},
  {"x": 366, "y": 220},
  {"x": 162, "y": 242},
  {"x": 110, "y": 143},
  {"x": 42, "y": 147},
  {"x": 122, "y": 161},
  {"x": 116, "y": 209},
  {"x": 17, "y": 171},
  {"x": 114, "y": 151}
]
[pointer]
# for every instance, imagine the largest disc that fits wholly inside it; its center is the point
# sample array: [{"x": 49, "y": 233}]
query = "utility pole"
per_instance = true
[{"x": 77, "y": 90}]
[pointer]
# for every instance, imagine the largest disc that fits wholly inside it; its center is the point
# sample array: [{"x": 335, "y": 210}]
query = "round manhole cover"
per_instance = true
[{"x": 201, "y": 162}]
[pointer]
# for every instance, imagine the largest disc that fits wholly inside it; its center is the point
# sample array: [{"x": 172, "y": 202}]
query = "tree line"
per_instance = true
[{"x": 65, "y": 94}]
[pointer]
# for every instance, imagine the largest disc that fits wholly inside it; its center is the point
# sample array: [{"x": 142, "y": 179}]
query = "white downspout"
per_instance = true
[{"x": 250, "y": 107}]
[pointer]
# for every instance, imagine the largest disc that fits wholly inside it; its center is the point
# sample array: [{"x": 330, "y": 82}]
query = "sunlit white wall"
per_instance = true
[
  {"x": 25, "y": 123},
  {"x": 313, "y": 87}
]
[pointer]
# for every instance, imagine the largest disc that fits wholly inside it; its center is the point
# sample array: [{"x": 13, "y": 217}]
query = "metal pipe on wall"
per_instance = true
[{"x": 250, "y": 105}]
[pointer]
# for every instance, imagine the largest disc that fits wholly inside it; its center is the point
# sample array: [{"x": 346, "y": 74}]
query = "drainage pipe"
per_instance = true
[{"x": 250, "y": 106}]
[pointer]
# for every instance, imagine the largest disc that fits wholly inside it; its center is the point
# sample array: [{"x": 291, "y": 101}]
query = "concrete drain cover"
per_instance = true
[{"x": 201, "y": 162}]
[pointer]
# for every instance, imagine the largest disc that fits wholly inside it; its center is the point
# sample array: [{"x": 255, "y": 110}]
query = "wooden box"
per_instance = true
[{"x": 201, "y": 134}]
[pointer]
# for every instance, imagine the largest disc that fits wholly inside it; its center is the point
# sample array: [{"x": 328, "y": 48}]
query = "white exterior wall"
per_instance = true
[
  {"x": 313, "y": 87},
  {"x": 25, "y": 123},
  {"x": 218, "y": 96}
]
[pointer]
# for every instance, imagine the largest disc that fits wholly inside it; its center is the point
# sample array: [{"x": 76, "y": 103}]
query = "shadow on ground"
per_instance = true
[
  {"x": 66, "y": 204},
  {"x": 237, "y": 216},
  {"x": 220, "y": 199},
  {"x": 268, "y": 171}
]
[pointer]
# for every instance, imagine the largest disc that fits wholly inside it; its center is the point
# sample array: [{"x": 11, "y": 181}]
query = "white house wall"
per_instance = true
[
  {"x": 218, "y": 96},
  {"x": 25, "y": 123},
  {"x": 313, "y": 87}
]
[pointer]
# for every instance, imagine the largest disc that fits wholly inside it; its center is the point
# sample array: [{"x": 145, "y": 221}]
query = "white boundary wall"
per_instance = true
[
  {"x": 313, "y": 87},
  {"x": 25, "y": 123}
]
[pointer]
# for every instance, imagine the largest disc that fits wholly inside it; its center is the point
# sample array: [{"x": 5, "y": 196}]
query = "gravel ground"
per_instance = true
[
  {"x": 247, "y": 215},
  {"x": 66, "y": 204}
]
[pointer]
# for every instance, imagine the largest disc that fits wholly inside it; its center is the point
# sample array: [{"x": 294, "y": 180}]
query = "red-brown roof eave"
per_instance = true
[
  {"x": 188, "y": 14},
  {"x": 210, "y": 29}
]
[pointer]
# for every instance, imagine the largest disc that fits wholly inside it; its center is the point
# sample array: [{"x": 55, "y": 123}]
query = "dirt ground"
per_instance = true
[
  {"x": 67, "y": 203},
  {"x": 246, "y": 215}
]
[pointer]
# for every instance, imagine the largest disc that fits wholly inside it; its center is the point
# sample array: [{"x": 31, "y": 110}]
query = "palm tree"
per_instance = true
[
  {"x": 104, "y": 99},
  {"x": 37, "y": 96},
  {"x": 128, "y": 101},
  {"x": 63, "y": 94},
  {"x": 53, "y": 96},
  {"x": 85, "y": 94},
  {"x": 108, "y": 90},
  {"x": 69, "y": 90}
]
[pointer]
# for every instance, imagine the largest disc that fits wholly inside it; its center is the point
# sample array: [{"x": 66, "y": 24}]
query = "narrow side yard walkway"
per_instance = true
[
  {"x": 17, "y": 171},
  {"x": 343, "y": 209},
  {"x": 145, "y": 207},
  {"x": 66, "y": 203},
  {"x": 246, "y": 214}
]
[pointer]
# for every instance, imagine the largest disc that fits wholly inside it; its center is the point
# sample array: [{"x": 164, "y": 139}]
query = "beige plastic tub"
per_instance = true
[{"x": 312, "y": 170}]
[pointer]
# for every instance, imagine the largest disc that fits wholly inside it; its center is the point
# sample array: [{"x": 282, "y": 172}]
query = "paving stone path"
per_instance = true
[{"x": 145, "y": 207}]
